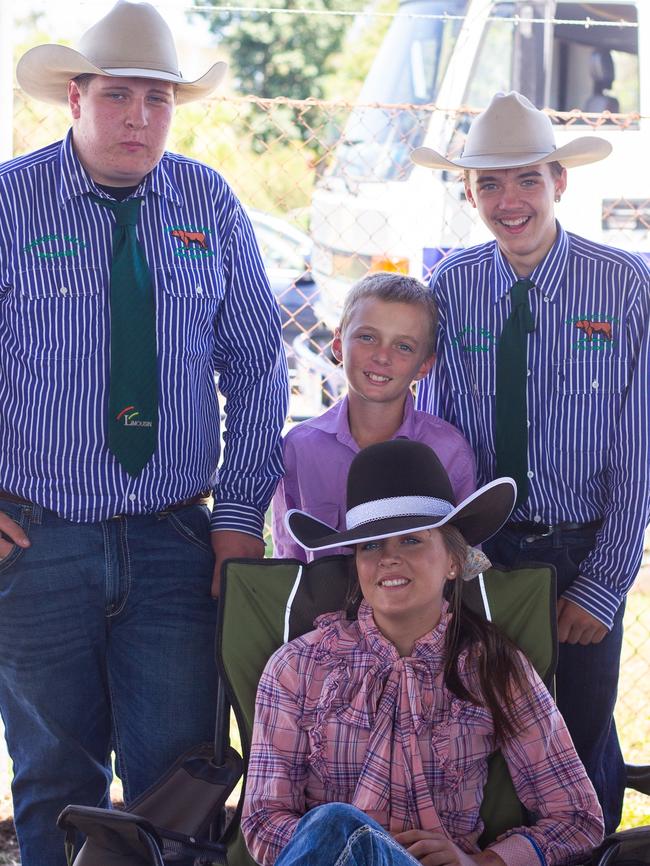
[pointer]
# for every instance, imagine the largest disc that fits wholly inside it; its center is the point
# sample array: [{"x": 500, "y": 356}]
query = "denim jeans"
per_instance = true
[
  {"x": 587, "y": 676},
  {"x": 337, "y": 834},
  {"x": 106, "y": 643}
]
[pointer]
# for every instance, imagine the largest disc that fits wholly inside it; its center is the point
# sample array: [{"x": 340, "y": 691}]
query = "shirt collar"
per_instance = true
[
  {"x": 75, "y": 180},
  {"x": 336, "y": 422},
  {"x": 547, "y": 276},
  {"x": 430, "y": 644}
]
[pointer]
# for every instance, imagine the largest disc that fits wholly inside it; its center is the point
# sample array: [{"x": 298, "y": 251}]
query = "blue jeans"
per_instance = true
[
  {"x": 587, "y": 676},
  {"x": 106, "y": 643},
  {"x": 337, "y": 834}
]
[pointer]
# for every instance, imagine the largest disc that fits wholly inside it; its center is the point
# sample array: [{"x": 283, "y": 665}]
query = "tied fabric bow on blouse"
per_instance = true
[{"x": 392, "y": 781}]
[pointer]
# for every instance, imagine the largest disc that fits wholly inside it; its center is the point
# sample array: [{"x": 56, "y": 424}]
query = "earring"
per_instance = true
[{"x": 558, "y": 199}]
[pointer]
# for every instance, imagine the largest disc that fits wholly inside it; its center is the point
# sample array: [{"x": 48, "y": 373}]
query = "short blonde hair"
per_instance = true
[{"x": 393, "y": 288}]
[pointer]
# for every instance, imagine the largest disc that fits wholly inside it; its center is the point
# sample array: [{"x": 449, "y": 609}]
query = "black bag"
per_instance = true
[{"x": 169, "y": 823}]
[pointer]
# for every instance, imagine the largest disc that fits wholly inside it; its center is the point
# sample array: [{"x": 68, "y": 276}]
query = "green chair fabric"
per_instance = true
[{"x": 265, "y": 602}]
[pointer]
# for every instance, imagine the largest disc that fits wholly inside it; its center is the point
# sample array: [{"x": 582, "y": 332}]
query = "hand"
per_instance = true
[
  {"x": 229, "y": 544},
  {"x": 575, "y": 625},
  {"x": 13, "y": 532},
  {"x": 435, "y": 849}
]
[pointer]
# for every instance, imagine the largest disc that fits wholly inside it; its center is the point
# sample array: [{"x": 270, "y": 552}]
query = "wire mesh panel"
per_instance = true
[{"x": 327, "y": 211}]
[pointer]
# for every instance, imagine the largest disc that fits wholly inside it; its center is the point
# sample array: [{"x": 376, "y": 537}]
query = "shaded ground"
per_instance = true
[{"x": 8, "y": 845}]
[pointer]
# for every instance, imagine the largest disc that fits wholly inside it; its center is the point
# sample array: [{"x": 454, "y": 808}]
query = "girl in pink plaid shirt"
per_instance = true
[{"x": 372, "y": 735}]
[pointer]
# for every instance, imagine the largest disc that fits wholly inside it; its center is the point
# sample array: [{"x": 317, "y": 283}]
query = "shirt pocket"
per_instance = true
[
  {"x": 589, "y": 395},
  {"x": 588, "y": 399},
  {"x": 474, "y": 390},
  {"x": 189, "y": 301},
  {"x": 55, "y": 315}
]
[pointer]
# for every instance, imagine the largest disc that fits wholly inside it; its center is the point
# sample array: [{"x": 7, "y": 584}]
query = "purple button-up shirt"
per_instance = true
[{"x": 317, "y": 457}]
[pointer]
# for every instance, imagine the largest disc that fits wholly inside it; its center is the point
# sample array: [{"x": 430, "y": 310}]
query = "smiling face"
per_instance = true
[
  {"x": 517, "y": 205},
  {"x": 403, "y": 579},
  {"x": 385, "y": 346},
  {"x": 120, "y": 126}
]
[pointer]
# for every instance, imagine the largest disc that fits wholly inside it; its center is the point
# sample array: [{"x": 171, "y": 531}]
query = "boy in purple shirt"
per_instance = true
[{"x": 385, "y": 342}]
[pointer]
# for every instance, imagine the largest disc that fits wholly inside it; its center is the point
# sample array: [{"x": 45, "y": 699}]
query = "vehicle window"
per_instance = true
[
  {"x": 596, "y": 68},
  {"x": 408, "y": 69},
  {"x": 493, "y": 68},
  {"x": 592, "y": 68}
]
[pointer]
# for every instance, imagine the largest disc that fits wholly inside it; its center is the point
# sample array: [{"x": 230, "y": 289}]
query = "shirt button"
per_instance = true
[
  {"x": 199, "y": 290},
  {"x": 132, "y": 497},
  {"x": 595, "y": 384},
  {"x": 537, "y": 518},
  {"x": 530, "y": 473},
  {"x": 529, "y": 372},
  {"x": 63, "y": 290},
  {"x": 546, "y": 300}
]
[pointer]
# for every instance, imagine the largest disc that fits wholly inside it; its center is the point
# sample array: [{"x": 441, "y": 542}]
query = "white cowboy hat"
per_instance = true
[
  {"x": 133, "y": 40},
  {"x": 511, "y": 133}
]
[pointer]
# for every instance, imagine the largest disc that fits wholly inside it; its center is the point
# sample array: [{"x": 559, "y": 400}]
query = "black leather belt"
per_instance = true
[
  {"x": 542, "y": 530},
  {"x": 17, "y": 500},
  {"x": 200, "y": 499}
]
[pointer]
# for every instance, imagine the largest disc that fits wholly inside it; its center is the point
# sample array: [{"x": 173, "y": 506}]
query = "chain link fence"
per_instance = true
[{"x": 280, "y": 156}]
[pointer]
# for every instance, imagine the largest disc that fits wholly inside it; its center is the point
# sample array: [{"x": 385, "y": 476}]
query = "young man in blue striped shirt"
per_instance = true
[
  {"x": 586, "y": 485},
  {"x": 106, "y": 615}
]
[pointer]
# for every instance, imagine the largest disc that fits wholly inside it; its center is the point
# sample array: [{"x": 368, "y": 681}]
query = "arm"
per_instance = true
[
  {"x": 608, "y": 572},
  {"x": 277, "y": 769},
  {"x": 249, "y": 358},
  {"x": 230, "y": 544},
  {"x": 551, "y": 783}
]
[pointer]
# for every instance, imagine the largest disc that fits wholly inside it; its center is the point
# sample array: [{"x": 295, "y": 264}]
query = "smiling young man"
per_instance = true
[
  {"x": 543, "y": 354},
  {"x": 129, "y": 277}
]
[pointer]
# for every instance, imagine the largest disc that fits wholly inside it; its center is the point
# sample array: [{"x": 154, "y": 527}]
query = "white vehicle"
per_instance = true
[{"x": 375, "y": 210}]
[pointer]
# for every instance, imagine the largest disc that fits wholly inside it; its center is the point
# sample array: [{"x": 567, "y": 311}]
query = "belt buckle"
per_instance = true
[{"x": 548, "y": 530}]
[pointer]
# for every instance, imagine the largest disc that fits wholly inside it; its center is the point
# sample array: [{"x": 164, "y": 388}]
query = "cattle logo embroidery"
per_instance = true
[
  {"x": 193, "y": 241},
  {"x": 598, "y": 331},
  {"x": 590, "y": 328},
  {"x": 190, "y": 238}
]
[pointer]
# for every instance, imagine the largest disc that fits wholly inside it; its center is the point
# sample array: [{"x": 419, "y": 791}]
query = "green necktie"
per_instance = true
[
  {"x": 133, "y": 392},
  {"x": 511, "y": 428}
]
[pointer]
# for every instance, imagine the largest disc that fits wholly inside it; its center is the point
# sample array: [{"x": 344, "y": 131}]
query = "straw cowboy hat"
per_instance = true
[
  {"x": 398, "y": 487},
  {"x": 511, "y": 133},
  {"x": 133, "y": 40}
]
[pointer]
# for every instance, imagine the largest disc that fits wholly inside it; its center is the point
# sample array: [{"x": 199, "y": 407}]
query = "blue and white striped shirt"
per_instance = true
[
  {"x": 588, "y": 393},
  {"x": 214, "y": 310}
]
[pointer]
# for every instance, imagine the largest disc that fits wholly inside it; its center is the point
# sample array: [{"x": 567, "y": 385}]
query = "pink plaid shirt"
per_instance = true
[{"x": 340, "y": 717}]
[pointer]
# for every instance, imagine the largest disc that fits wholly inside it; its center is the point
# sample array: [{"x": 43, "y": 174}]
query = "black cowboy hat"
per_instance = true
[{"x": 400, "y": 486}]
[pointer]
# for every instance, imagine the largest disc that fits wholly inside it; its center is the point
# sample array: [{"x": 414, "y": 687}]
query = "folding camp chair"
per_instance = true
[{"x": 264, "y": 603}]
